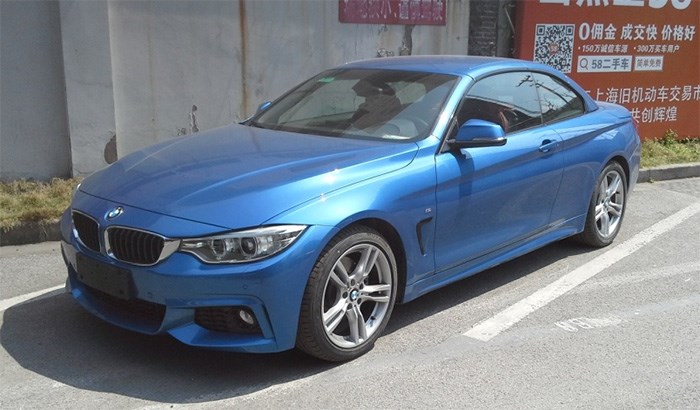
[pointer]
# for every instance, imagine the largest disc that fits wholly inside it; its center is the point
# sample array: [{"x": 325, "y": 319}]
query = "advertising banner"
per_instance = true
[
  {"x": 643, "y": 54},
  {"x": 423, "y": 12}
]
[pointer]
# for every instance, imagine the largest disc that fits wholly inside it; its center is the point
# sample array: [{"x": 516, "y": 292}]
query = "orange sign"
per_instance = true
[{"x": 643, "y": 54}]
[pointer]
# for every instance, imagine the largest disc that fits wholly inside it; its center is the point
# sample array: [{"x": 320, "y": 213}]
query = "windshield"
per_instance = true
[{"x": 382, "y": 104}]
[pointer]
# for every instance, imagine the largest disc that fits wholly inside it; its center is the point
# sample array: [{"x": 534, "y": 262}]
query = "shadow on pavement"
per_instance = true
[
  {"x": 55, "y": 338},
  {"x": 483, "y": 282}
]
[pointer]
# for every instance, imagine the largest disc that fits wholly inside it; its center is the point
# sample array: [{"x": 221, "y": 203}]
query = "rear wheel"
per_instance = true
[
  {"x": 607, "y": 207},
  {"x": 349, "y": 296}
]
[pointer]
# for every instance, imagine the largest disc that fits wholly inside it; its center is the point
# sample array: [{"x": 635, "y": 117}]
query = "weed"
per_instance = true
[
  {"x": 670, "y": 149},
  {"x": 33, "y": 201}
]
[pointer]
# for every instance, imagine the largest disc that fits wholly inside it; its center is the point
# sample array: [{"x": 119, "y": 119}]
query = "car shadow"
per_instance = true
[
  {"x": 481, "y": 283},
  {"x": 54, "y": 337}
]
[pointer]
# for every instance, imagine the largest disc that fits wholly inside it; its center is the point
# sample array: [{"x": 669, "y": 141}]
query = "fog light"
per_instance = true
[{"x": 246, "y": 317}]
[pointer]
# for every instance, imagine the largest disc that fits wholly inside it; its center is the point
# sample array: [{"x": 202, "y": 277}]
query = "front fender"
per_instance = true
[{"x": 404, "y": 199}]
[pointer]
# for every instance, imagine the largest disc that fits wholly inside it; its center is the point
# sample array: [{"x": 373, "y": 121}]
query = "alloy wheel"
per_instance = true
[{"x": 357, "y": 295}]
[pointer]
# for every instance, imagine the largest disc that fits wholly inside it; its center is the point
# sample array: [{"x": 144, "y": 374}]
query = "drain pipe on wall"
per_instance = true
[
  {"x": 407, "y": 44},
  {"x": 506, "y": 29}
]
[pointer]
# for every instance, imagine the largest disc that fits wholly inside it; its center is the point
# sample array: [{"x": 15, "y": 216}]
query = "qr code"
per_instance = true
[{"x": 554, "y": 45}]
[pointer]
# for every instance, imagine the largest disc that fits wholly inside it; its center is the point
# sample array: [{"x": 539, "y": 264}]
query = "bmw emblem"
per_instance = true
[{"x": 115, "y": 212}]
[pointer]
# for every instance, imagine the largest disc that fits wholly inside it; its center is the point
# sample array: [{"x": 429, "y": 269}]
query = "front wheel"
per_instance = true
[
  {"x": 349, "y": 296},
  {"x": 607, "y": 207}
]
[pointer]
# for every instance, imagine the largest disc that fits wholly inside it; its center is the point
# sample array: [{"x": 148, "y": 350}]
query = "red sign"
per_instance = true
[
  {"x": 643, "y": 54},
  {"x": 424, "y": 12}
]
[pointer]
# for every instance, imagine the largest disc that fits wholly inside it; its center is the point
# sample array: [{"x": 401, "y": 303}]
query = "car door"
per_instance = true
[
  {"x": 491, "y": 197},
  {"x": 563, "y": 111}
]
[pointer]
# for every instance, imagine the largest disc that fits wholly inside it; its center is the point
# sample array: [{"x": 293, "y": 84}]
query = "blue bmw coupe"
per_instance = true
[{"x": 368, "y": 185}]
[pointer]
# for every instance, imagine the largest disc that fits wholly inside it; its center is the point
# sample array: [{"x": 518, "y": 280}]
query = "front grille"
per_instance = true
[
  {"x": 225, "y": 319},
  {"x": 146, "y": 315},
  {"x": 87, "y": 230},
  {"x": 134, "y": 246}
]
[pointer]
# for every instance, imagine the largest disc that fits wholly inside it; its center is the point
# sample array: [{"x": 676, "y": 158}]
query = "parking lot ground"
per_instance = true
[{"x": 626, "y": 336}]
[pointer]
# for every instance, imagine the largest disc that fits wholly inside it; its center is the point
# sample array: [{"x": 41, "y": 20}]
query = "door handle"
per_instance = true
[{"x": 548, "y": 145}]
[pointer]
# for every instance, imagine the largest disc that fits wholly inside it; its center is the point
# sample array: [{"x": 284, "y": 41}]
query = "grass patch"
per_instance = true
[
  {"x": 669, "y": 150},
  {"x": 31, "y": 201}
]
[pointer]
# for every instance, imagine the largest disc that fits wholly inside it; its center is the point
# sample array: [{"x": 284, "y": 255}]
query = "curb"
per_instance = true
[
  {"x": 35, "y": 232},
  {"x": 667, "y": 172},
  {"x": 31, "y": 232}
]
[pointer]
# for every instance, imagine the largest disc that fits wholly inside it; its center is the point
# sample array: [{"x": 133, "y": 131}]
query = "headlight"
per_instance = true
[
  {"x": 242, "y": 246},
  {"x": 75, "y": 191}
]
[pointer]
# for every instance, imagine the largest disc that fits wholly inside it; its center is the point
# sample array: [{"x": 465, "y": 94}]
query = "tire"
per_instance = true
[
  {"x": 607, "y": 207},
  {"x": 347, "y": 304}
]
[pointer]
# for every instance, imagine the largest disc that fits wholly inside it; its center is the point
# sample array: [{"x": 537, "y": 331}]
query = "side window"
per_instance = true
[
  {"x": 508, "y": 99},
  {"x": 557, "y": 100}
]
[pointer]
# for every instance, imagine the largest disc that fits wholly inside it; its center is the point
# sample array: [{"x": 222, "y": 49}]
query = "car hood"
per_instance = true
[{"x": 239, "y": 176}]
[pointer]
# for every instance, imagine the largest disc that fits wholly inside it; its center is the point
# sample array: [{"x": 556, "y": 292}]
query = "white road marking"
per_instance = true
[
  {"x": 687, "y": 268},
  {"x": 8, "y": 303},
  {"x": 585, "y": 323},
  {"x": 491, "y": 327}
]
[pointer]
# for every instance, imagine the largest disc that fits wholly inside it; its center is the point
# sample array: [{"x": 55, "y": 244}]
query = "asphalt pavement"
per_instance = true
[{"x": 562, "y": 327}]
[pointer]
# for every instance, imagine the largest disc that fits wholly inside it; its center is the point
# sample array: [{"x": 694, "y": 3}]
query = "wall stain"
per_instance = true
[
  {"x": 244, "y": 55},
  {"x": 110, "y": 151},
  {"x": 383, "y": 52},
  {"x": 407, "y": 43},
  {"x": 194, "y": 127}
]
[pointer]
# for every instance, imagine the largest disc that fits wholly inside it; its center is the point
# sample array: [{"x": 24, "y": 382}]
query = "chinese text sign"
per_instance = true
[
  {"x": 424, "y": 12},
  {"x": 643, "y": 54}
]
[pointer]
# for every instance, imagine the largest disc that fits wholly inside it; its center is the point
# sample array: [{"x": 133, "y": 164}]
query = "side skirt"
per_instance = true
[{"x": 465, "y": 270}]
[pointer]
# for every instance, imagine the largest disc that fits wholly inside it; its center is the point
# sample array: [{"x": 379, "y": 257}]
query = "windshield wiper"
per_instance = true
[{"x": 257, "y": 125}]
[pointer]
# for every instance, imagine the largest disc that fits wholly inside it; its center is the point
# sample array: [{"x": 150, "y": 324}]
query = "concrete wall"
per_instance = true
[
  {"x": 167, "y": 58},
  {"x": 140, "y": 72},
  {"x": 34, "y": 140},
  {"x": 182, "y": 66},
  {"x": 88, "y": 77}
]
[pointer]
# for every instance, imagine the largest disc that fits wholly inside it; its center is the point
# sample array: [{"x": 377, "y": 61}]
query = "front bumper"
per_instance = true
[{"x": 170, "y": 296}]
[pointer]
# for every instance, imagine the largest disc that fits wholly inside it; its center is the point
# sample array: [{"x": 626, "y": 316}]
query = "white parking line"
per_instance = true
[
  {"x": 8, "y": 303},
  {"x": 491, "y": 327}
]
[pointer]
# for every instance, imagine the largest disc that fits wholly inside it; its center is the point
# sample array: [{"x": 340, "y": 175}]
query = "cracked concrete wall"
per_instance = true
[
  {"x": 137, "y": 73},
  {"x": 34, "y": 139},
  {"x": 89, "y": 91},
  {"x": 226, "y": 58},
  {"x": 291, "y": 41},
  {"x": 168, "y": 57}
]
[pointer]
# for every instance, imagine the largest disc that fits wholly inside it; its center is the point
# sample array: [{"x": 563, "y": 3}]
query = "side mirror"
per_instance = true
[
  {"x": 264, "y": 106},
  {"x": 478, "y": 133}
]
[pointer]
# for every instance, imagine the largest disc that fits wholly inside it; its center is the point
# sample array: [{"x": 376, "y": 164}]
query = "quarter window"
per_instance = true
[{"x": 557, "y": 100}]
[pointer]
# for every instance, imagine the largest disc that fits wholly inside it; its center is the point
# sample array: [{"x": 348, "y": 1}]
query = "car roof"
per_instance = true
[
  {"x": 475, "y": 67},
  {"x": 442, "y": 64}
]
